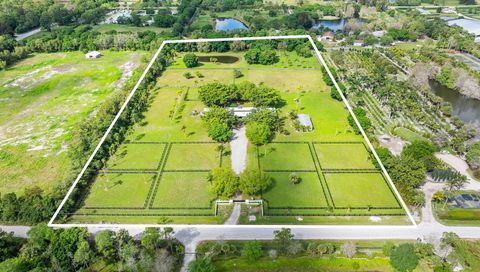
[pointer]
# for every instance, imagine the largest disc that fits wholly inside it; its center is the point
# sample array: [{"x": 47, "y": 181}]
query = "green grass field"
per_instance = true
[
  {"x": 343, "y": 156},
  {"x": 276, "y": 156},
  {"x": 182, "y": 184},
  {"x": 43, "y": 99},
  {"x": 183, "y": 190},
  {"x": 120, "y": 190},
  {"x": 193, "y": 157},
  {"x": 360, "y": 190},
  {"x": 137, "y": 156},
  {"x": 308, "y": 193}
]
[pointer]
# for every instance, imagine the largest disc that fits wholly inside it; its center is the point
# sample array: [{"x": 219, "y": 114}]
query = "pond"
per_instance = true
[
  {"x": 333, "y": 25},
  {"x": 220, "y": 59},
  {"x": 464, "y": 107},
  {"x": 227, "y": 24}
]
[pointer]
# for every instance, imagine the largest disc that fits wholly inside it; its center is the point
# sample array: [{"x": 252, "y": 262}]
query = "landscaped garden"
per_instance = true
[{"x": 178, "y": 159}]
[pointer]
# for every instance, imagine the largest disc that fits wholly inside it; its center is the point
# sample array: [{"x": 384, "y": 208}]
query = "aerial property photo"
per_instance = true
[
  {"x": 235, "y": 131},
  {"x": 239, "y": 135}
]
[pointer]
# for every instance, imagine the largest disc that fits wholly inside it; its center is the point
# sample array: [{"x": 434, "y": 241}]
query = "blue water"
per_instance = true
[
  {"x": 333, "y": 25},
  {"x": 227, "y": 24}
]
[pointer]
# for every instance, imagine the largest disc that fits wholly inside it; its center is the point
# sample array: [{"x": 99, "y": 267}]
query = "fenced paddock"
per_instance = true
[{"x": 171, "y": 147}]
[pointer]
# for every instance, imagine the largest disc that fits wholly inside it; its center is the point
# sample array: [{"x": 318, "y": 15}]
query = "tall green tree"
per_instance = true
[
  {"x": 403, "y": 258},
  {"x": 223, "y": 182},
  {"x": 253, "y": 182},
  {"x": 252, "y": 250}
]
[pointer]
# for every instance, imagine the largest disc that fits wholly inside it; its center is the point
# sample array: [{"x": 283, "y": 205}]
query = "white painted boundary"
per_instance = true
[{"x": 155, "y": 57}]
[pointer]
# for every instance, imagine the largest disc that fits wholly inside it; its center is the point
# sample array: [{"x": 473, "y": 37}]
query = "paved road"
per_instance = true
[
  {"x": 462, "y": 167},
  {"x": 238, "y": 146},
  {"x": 19, "y": 37},
  {"x": 190, "y": 236}
]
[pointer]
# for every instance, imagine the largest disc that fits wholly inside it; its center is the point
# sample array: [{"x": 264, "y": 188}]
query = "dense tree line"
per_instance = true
[
  {"x": 81, "y": 38},
  {"x": 402, "y": 256},
  {"x": 22, "y": 15},
  {"x": 408, "y": 170},
  {"x": 73, "y": 249}
]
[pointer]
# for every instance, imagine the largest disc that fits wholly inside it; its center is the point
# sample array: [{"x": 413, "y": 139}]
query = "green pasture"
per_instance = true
[
  {"x": 287, "y": 60},
  {"x": 102, "y": 28},
  {"x": 119, "y": 190},
  {"x": 193, "y": 157},
  {"x": 137, "y": 156},
  {"x": 279, "y": 156},
  {"x": 173, "y": 117},
  {"x": 183, "y": 190},
  {"x": 343, "y": 156},
  {"x": 360, "y": 190},
  {"x": 44, "y": 97},
  {"x": 307, "y": 193},
  {"x": 170, "y": 118}
]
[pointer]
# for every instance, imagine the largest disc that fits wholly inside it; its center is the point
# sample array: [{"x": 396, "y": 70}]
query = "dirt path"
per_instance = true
[{"x": 462, "y": 167}]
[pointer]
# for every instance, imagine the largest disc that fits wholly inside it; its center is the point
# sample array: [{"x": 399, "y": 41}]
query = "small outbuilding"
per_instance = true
[
  {"x": 93, "y": 55},
  {"x": 328, "y": 36},
  {"x": 304, "y": 120}
]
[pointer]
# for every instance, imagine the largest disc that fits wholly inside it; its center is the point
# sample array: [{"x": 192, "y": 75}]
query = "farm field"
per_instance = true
[
  {"x": 169, "y": 155},
  {"x": 42, "y": 99}
]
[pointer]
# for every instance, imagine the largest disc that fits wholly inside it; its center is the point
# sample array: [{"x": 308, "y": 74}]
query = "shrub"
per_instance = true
[
  {"x": 190, "y": 60},
  {"x": 237, "y": 73},
  {"x": 201, "y": 265},
  {"x": 294, "y": 178},
  {"x": 335, "y": 94},
  {"x": 362, "y": 119},
  {"x": 403, "y": 258},
  {"x": 252, "y": 250}
]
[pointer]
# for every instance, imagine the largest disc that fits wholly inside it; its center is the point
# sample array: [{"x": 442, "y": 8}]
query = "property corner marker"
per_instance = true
[{"x": 125, "y": 104}]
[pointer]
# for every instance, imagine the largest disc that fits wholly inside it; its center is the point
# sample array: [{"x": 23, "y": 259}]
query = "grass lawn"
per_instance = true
[
  {"x": 169, "y": 119},
  {"x": 127, "y": 28},
  {"x": 183, "y": 190},
  {"x": 119, "y": 190},
  {"x": 304, "y": 263},
  {"x": 360, "y": 190},
  {"x": 137, "y": 156},
  {"x": 277, "y": 156},
  {"x": 43, "y": 98},
  {"x": 290, "y": 60},
  {"x": 193, "y": 157},
  {"x": 308, "y": 193},
  {"x": 343, "y": 156},
  {"x": 409, "y": 135}
]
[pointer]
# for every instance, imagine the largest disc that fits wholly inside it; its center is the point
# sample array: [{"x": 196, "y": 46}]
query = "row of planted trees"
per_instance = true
[{"x": 74, "y": 249}]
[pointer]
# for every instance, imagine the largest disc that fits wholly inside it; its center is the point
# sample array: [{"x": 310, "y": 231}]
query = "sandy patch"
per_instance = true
[{"x": 27, "y": 80}]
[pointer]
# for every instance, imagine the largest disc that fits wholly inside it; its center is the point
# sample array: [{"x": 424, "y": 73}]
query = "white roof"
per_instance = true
[
  {"x": 93, "y": 54},
  {"x": 239, "y": 111},
  {"x": 305, "y": 120}
]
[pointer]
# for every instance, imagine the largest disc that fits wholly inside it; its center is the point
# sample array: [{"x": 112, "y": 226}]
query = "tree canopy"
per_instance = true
[
  {"x": 258, "y": 133},
  {"x": 403, "y": 258},
  {"x": 223, "y": 182},
  {"x": 190, "y": 60},
  {"x": 253, "y": 182}
]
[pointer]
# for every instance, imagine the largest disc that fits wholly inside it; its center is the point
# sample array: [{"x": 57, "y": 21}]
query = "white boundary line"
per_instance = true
[
  {"x": 362, "y": 131},
  {"x": 157, "y": 53}
]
